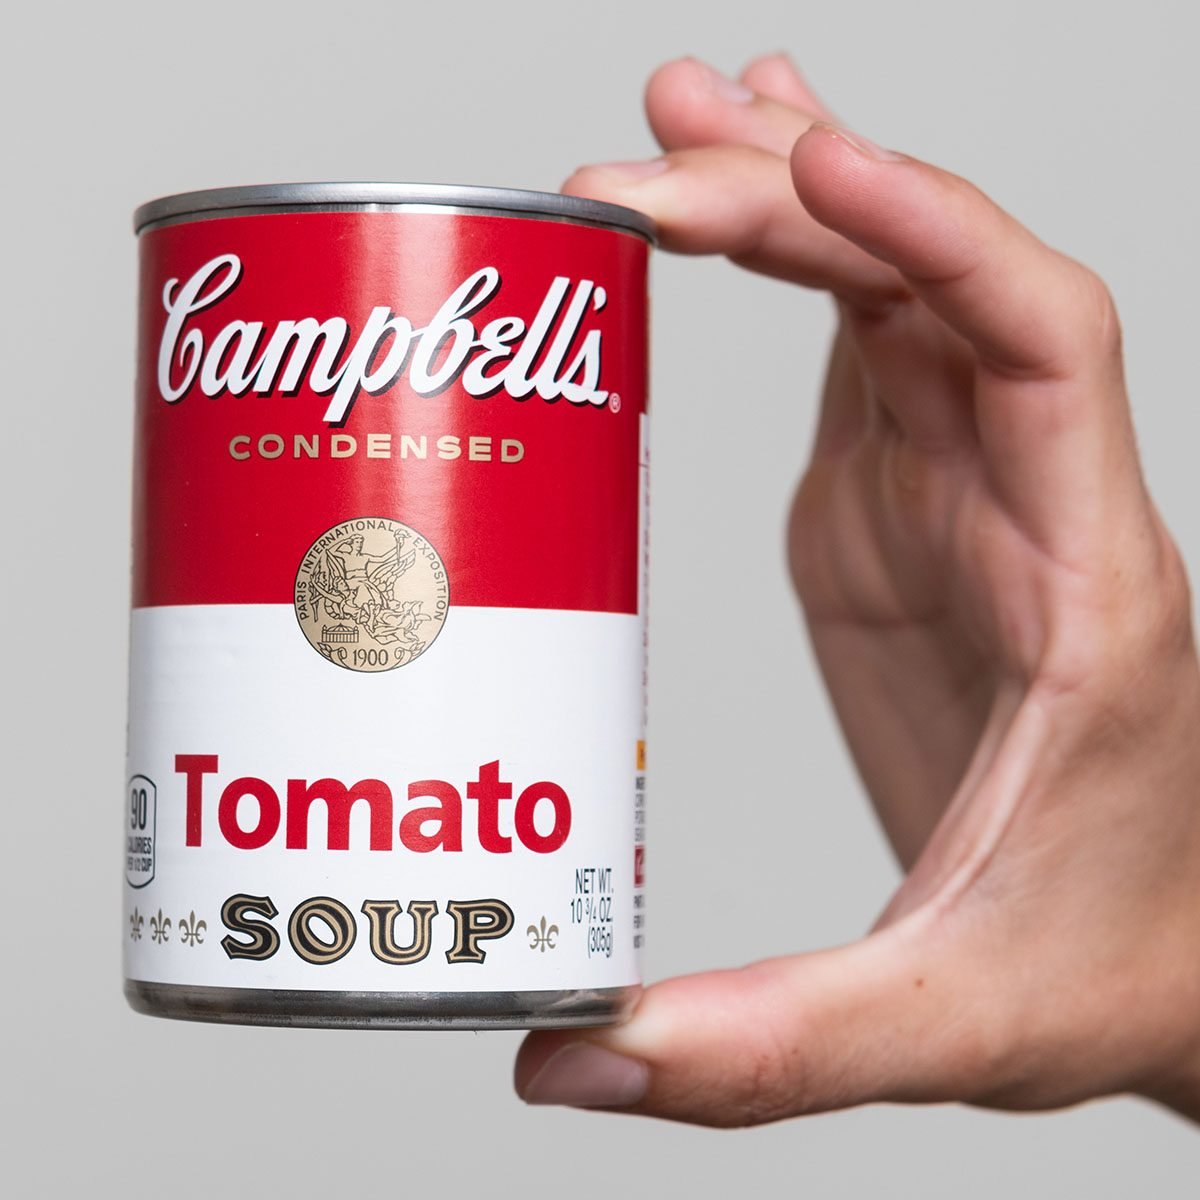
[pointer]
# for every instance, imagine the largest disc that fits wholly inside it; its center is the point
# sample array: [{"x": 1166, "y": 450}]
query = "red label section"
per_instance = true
[{"x": 529, "y": 502}]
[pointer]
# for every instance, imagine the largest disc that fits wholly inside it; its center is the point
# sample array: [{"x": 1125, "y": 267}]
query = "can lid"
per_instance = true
[{"x": 333, "y": 197}]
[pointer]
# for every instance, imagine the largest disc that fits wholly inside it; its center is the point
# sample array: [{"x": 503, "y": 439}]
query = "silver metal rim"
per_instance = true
[
  {"x": 333, "y": 197},
  {"x": 384, "y": 1010}
]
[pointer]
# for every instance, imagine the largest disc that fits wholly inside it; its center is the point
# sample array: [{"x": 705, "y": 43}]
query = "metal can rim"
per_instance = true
[{"x": 332, "y": 196}]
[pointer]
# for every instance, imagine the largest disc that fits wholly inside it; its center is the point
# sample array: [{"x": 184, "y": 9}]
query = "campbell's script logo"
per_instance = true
[{"x": 551, "y": 354}]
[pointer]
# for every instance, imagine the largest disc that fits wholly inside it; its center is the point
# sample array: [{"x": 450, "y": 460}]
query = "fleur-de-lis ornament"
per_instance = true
[
  {"x": 542, "y": 937},
  {"x": 191, "y": 931},
  {"x": 160, "y": 928},
  {"x": 136, "y": 921}
]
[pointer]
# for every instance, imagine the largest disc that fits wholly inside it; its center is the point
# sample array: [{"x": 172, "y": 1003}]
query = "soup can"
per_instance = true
[{"x": 386, "y": 752}]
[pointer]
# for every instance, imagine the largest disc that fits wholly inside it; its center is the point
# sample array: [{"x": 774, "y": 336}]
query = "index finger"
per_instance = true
[
  {"x": 1050, "y": 407},
  {"x": 1028, "y": 310}
]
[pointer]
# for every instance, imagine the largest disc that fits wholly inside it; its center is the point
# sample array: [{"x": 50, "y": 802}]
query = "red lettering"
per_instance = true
[
  {"x": 448, "y": 814},
  {"x": 489, "y": 789},
  {"x": 268, "y": 813},
  {"x": 445, "y": 812},
  {"x": 194, "y": 767},
  {"x": 527, "y": 804},
  {"x": 339, "y": 800}
]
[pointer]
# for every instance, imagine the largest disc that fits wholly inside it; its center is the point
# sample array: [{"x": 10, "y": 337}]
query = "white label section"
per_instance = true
[{"x": 270, "y": 734}]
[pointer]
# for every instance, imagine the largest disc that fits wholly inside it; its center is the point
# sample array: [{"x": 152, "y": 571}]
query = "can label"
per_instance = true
[{"x": 388, "y": 637}]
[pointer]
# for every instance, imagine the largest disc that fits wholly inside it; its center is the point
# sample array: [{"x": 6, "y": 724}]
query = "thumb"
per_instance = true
[{"x": 886, "y": 1018}]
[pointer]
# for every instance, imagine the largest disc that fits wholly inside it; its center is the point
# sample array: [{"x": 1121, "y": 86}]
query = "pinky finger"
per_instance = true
[{"x": 775, "y": 76}]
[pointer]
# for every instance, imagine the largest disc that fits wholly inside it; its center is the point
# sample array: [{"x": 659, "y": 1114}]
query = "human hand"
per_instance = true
[{"x": 1004, "y": 626}]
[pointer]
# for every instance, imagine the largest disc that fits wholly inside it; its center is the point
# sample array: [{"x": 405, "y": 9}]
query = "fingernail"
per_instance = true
[
  {"x": 632, "y": 171},
  {"x": 587, "y": 1076},
  {"x": 863, "y": 145},
  {"x": 727, "y": 89}
]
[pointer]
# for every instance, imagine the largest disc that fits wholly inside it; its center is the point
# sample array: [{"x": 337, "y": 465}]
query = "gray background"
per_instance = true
[{"x": 1079, "y": 117}]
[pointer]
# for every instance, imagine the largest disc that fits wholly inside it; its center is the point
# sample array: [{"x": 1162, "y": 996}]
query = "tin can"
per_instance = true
[{"x": 387, "y": 708}]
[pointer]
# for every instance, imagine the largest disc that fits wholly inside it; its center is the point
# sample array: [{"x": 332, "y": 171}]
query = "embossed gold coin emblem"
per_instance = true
[{"x": 371, "y": 594}]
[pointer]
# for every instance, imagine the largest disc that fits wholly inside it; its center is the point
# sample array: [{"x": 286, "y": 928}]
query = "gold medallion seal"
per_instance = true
[{"x": 371, "y": 594}]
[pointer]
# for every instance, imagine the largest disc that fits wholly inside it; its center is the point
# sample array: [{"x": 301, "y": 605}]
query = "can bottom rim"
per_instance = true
[{"x": 384, "y": 1010}]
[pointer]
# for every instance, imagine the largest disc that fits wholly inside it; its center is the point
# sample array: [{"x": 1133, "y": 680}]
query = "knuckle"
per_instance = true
[
  {"x": 998, "y": 1054},
  {"x": 758, "y": 1101},
  {"x": 1100, "y": 323},
  {"x": 769, "y": 1091},
  {"x": 1133, "y": 634},
  {"x": 1155, "y": 613},
  {"x": 1178, "y": 589},
  {"x": 1169, "y": 631},
  {"x": 803, "y": 534},
  {"x": 777, "y": 1072}
]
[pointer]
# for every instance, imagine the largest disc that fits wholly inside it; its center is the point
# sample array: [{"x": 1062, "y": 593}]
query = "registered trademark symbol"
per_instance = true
[{"x": 614, "y": 402}]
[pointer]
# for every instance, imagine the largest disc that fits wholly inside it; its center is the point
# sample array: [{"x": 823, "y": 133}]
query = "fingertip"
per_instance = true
[
  {"x": 533, "y": 1054},
  {"x": 610, "y": 181},
  {"x": 840, "y": 139},
  {"x": 690, "y": 104},
  {"x": 579, "y": 183},
  {"x": 674, "y": 90},
  {"x": 582, "y": 1074},
  {"x": 835, "y": 174},
  {"x": 593, "y": 1068},
  {"x": 818, "y": 139},
  {"x": 685, "y": 71},
  {"x": 776, "y": 76},
  {"x": 771, "y": 63},
  {"x": 771, "y": 73}
]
